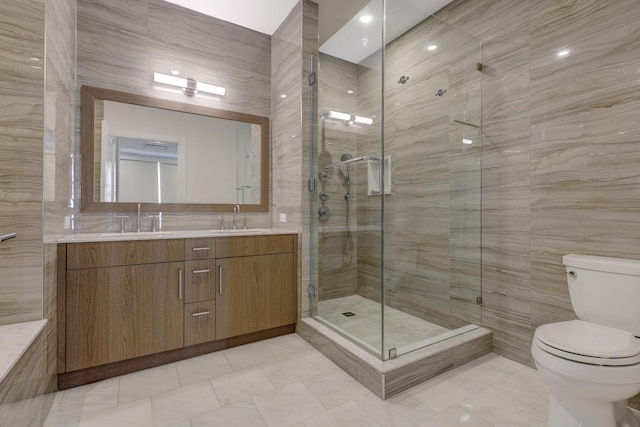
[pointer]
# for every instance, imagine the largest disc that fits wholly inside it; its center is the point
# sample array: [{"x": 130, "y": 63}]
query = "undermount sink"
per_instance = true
[
  {"x": 134, "y": 234},
  {"x": 178, "y": 233},
  {"x": 225, "y": 231}
]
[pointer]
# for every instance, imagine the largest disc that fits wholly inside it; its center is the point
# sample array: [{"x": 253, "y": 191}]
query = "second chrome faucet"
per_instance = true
[{"x": 236, "y": 211}]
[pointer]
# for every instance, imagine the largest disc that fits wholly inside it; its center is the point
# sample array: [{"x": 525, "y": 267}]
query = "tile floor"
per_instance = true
[
  {"x": 284, "y": 381},
  {"x": 401, "y": 329}
]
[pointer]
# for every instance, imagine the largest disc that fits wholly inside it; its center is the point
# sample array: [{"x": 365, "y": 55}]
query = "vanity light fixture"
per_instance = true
[
  {"x": 349, "y": 118},
  {"x": 189, "y": 86},
  {"x": 363, "y": 120},
  {"x": 340, "y": 116}
]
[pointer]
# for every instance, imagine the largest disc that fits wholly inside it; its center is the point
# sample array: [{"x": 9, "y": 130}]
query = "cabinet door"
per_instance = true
[
  {"x": 254, "y": 293},
  {"x": 117, "y": 313}
]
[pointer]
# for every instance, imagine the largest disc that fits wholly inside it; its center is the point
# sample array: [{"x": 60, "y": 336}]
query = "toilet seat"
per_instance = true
[{"x": 589, "y": 343}]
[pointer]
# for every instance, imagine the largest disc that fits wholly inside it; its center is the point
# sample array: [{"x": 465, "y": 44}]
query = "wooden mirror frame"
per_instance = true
[{"x": 89, "y": 95}]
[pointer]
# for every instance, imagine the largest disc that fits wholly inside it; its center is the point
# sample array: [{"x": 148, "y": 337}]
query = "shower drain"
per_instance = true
[{"x": 348, "y": 314}]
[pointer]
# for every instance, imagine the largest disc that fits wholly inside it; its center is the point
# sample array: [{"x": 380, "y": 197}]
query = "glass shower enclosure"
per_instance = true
[{"x": 396, "y": 152}]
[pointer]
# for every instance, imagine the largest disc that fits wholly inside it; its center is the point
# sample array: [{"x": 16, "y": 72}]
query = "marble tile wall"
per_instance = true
[
  {"x": 121, "y": 44},
  {"x": 293, "y": 44},
  {"x": 59, "y": 114},
  {"x": 36, "y": 107},
  {"x": 21, "y": 136},
  {"x": 560, "y": 150}
]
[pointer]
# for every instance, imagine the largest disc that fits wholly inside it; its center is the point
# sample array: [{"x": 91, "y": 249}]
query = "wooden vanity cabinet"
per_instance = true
[
  {"x": 130, "y": 305},
  {"x": 122, "y": 306},
  {"x": 255, "y": 277}
]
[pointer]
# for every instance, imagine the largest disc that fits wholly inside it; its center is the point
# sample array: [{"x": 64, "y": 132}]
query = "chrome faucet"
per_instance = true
[
  {"x": 155, "y": 222},
  {"x": 236, "y": 211},
  {"x": 138, "y": 219}
]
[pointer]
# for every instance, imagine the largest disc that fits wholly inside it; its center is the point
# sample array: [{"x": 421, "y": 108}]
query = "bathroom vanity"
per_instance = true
[{"x": 131, "y": 302}]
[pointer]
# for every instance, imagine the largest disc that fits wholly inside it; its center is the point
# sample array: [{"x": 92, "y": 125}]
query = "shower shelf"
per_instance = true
[{"x": 354, "y": 160}]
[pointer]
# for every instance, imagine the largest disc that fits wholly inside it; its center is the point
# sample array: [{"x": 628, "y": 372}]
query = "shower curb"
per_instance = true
[{"x": 388, "y": 378}]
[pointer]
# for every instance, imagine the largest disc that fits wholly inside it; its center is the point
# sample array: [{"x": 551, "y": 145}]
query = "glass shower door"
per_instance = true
[
  {"x": 432, "y": 213},
  {"x": 347, "y": 206}
]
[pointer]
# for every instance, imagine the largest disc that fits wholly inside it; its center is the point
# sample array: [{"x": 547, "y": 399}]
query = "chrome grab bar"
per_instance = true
[
  {"x": 7, "y": 236},
  {"x": 354, "y": 160}
]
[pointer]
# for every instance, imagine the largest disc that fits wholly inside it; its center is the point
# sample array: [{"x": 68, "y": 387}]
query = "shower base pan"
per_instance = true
[{"x": 390, "y": 377}]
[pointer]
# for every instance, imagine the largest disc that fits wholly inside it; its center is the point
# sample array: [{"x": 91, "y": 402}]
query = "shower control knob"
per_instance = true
[
  {"x": 324, "y": 213},
  {"x": 323, "y": 195}
]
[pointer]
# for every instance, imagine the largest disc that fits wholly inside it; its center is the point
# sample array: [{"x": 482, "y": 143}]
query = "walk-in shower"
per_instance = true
[{"x": 396, "y": 265}]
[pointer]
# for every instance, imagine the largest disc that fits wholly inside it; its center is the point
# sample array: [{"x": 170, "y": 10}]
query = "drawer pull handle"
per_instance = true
[
  {"x": 180, "y": 284},
  {"x": 200, "y": 249},
  {"x": 200, "y": 271},
  {"x": 202, "y": 313},
  {"x": 220, "y": 280}
]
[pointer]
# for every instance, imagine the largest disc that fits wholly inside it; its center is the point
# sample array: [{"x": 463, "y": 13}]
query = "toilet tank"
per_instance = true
[{"x": 605, "y": 291}]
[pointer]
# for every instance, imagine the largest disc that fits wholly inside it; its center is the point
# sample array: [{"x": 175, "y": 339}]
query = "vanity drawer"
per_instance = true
[
  {"x": 199, "y": 322},
  {"x": 200, "y": 248},
  {"x": 110, "y": 254},
  {"x": 227, "y": 247},
  {"x": 199, "y": 280}
]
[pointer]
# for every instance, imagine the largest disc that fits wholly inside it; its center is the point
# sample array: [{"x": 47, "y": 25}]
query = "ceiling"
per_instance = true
[
  {"x": 264, "y": 16},
  {"x": 341, "y": 34}
]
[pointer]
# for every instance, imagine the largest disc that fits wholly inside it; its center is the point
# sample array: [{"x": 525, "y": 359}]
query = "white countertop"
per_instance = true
[{"x": 149, "y": 235}]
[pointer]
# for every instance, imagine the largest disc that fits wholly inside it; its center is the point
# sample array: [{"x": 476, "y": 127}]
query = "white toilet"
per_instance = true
[{"x": 593, "y": 364}]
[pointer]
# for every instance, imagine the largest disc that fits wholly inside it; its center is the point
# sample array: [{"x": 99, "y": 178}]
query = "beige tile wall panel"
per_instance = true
[
  {"x": 560, "y": 151},
  {"x": 291, "y": 44},
  {"x": 21, "y": 136},
  {"x": 584, "y": 142},
  {"x": 59, "y": 114}
]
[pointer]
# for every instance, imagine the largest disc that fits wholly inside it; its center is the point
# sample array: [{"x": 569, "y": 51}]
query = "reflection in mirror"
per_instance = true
[
  {"x": 173, "y": 156},
  {"x": 152, "y": 165}
]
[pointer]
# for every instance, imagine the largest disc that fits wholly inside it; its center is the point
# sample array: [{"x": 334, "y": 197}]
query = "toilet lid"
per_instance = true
[{"x": 589, "y": 343}]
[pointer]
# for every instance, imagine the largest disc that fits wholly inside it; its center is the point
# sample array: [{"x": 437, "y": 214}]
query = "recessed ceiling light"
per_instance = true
[
  {"x": 563, "y": 53},
  {"x": 432, "y": 47},
  {"x": 365, "y": 19},
  {"x": 350, "y": 92},
  {"x": 283, "y": 96},
  {"x": 175, "y": 72}
]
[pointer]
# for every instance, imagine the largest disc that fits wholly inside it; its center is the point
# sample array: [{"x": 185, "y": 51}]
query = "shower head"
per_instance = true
[{"x": 346, "y": 156}]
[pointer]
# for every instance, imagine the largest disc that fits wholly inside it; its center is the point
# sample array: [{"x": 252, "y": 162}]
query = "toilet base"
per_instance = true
[{"x": 572, "y": 413}]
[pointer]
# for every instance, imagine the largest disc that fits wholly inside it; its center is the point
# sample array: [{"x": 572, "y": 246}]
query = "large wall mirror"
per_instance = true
[{"x": 170, "y": 156}]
